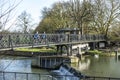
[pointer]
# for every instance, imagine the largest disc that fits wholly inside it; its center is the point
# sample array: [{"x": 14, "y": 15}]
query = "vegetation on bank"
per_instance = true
[
  {"x": 43, "y": 49},
  {"x": 101, "y": 53}
]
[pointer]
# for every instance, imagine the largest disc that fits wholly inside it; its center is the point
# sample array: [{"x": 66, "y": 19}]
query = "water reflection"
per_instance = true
[
  {"x": 102, "y": 66},
  {"x": 117, "y": 58},
  {"x": 18, "y": 64},
  {"x": 84, "y": 65}
]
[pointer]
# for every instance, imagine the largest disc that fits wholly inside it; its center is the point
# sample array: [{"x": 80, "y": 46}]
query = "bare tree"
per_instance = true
[
  {"x": 24, "y": 22},
  {"x": 79, "y": 11},
  {"x": 105, "y": 13},
  {"x": 6, "y": 11}
]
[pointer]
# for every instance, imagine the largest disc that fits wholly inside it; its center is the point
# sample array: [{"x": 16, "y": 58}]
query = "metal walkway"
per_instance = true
[{"x": 8, "y": 41}]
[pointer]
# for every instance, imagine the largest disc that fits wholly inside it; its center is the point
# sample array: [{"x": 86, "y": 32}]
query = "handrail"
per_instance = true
[
  {"x": 22, "y": 40},
  {"x": 100, "y": 78},
  {"x": 39, "y": 76},
  {"x": 25, "y": 76}
]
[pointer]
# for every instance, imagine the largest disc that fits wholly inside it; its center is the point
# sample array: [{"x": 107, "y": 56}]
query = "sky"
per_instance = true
[{"x": 34, "y": 7}]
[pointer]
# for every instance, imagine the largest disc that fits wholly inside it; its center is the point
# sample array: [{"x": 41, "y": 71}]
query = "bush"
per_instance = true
[
  {"x": 101, "y": 53},
  {"x": 93, "y": 52}
]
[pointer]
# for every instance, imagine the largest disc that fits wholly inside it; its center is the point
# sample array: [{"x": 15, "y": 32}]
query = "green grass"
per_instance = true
[
  {"x": 101, "y": 53},
  {"x": 94, "y": 52},
  {"x": 36, "y": 49}
]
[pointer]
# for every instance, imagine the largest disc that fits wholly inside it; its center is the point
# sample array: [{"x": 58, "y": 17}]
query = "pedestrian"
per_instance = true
[
  {"x": 44, "y": 37},
  {"x": 36, "y": 37}
]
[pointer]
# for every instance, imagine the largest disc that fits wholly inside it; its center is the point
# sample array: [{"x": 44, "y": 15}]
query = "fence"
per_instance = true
[
  {"x": 25, "y": 76},
  {"x": 38, "y": 76},
  {"x": 22, "y": 40},
  {"x": 99, "y": 78}
]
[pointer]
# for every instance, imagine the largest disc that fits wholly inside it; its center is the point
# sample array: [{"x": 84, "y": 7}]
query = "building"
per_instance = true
[{"x": 68, "y": 31}]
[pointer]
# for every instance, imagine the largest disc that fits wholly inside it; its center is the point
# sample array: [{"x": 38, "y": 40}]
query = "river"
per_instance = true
[
  {"x": 91, "y": 66},
  {"x": 21, "y": 65},
  {"x": 18, "y": 64},
  {"x": 99, "y": 66}
]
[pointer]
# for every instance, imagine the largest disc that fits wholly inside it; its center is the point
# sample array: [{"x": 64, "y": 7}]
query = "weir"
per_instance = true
[
  {"x": 51, "y": 62},
  {"x": 68, "y": 72}
]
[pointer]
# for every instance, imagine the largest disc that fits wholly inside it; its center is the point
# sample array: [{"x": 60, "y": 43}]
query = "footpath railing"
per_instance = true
[
  {"x": 99, "y": 78},
  {"x": 25, "y": 76},
  {"x": 21, "y": 40},
  {"x": 39, "y": 76}
]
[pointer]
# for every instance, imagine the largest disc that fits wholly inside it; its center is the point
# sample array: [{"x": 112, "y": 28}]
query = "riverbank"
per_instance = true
[
  {"x": 25, "y": 53},
  {"x": 29, "y": 52},
  {"x": 100, "y": 52}
]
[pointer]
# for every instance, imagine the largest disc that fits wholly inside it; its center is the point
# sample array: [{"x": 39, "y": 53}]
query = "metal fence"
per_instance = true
[
  {"x": 21, "y": 40},
  {"x": 99, "y": 78},
  {"x": 38, "y": 76},
  {"x": 25, "y": 76}
]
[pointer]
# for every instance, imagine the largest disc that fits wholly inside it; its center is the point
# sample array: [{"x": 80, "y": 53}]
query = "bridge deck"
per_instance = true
[{"x": 8, "y": 41}]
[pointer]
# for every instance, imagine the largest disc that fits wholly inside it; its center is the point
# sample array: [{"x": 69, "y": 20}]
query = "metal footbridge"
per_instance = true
[{"x": 10, "y": 41}]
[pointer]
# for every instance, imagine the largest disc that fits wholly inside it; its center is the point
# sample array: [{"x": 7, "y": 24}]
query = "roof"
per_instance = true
[{"x": 68, "y": 29}]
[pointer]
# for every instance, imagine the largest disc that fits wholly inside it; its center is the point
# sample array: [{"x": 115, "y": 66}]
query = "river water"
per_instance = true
[
  {"x": 91, "y": 66},
  {"x": 99, "y": 66},
  {"x": 18, "y": 64},
  {"x": 22, "y": 66}
]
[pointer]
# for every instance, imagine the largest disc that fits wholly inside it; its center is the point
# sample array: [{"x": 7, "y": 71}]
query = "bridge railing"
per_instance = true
[
  {"x": 25, "y": 76},
  {"x": 99, "y": 78},
  {"x": 86, "y": 38},
  {"x": 20, "y": 40},
  {"x": 39, "y": 76}
]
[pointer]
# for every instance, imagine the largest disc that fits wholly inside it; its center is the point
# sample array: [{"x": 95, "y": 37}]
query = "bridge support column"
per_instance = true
[
  {"x": 69, "y": 50},
  {"x": 117, "y": 54},
  {"x": 94, "y": 44},
  {"x": 79, "y": 52},
  {"x": 59, "y": 49},
  {"x": 63, "y": 49}
]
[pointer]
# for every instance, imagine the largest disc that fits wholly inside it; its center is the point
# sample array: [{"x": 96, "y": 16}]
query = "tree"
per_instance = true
[
  {"x": 114, "y": 34},
  {"x": 80, "y": 12},
  {"x": 54, "y": 18},
  {"x": 67, "y": 14},
  {"x": 114, "y": 31},
  {"x": 6, "y": 11},
  {"x": 90, "y": 16},
  {"x": 105, "y": 13},
  {"x": 24, "y": 22}
]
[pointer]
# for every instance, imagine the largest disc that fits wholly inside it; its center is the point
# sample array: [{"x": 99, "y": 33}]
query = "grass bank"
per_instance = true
[
  {"x": 43, "y": 49},
  {"x": 100, "y": 53}
]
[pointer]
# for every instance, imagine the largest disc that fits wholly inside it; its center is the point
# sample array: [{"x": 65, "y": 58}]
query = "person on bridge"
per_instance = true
[
  {"x": 36, "y": 37},
  {"x": 44, "y": 37}
]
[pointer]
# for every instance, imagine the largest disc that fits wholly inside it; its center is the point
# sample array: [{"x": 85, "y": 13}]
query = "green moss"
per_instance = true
[{"x": 44, "y": 49}]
